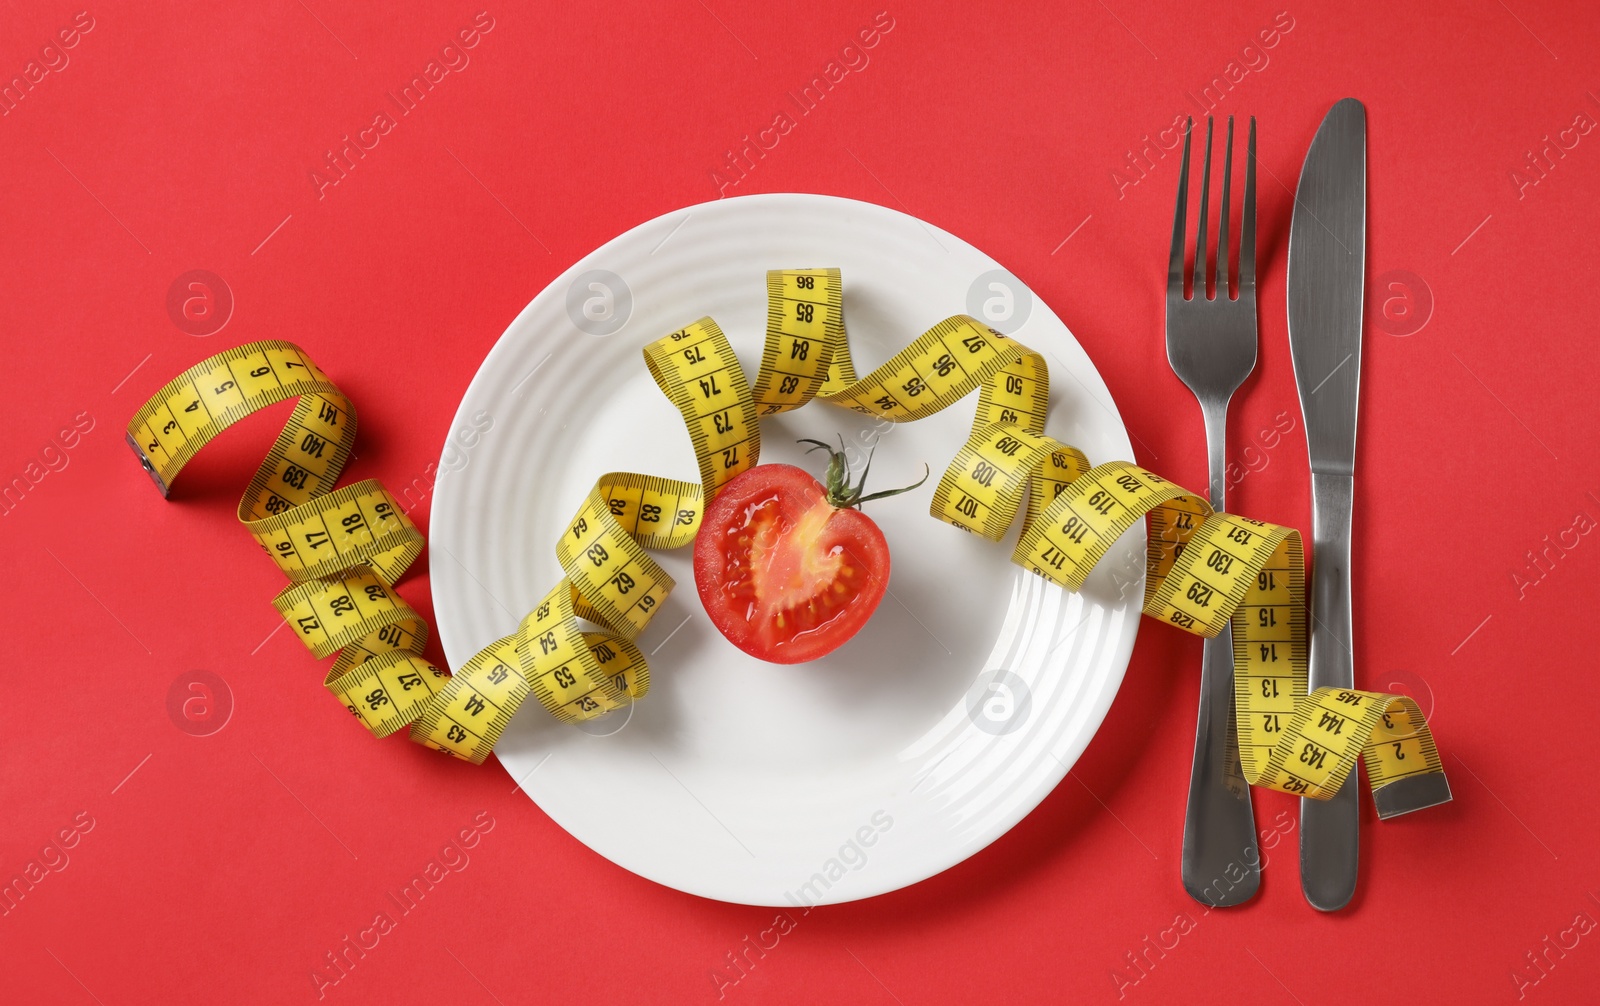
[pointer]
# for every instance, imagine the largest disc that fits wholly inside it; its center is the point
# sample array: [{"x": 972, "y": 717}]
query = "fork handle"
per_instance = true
[
  {"x": 1329, "y": 833},
  {"x": 1221, "y": 862},
  {"x": 1216, "y": 417}
]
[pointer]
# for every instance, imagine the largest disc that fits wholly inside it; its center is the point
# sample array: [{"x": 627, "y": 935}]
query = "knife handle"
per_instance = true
[{"x": 1329, "y": 836}]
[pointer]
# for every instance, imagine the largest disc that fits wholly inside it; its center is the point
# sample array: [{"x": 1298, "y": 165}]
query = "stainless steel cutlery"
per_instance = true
[
  {"x": 1327, "y": 263},
  {"x": 1211, "y": 344}
]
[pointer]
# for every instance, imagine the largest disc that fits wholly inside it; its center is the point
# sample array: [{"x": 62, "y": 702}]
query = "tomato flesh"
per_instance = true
[{"x": 783, "y": 574}]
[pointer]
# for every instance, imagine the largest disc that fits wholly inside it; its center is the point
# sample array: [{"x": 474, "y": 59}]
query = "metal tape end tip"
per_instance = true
[{"x": 1418, "y": 792}]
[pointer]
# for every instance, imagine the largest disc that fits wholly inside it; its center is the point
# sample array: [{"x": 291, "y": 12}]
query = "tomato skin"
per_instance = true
[{"x": 772, "y": 550}]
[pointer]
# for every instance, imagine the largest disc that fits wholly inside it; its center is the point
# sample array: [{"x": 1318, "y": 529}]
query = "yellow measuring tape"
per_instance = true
[{"x": 345, "y": 549}]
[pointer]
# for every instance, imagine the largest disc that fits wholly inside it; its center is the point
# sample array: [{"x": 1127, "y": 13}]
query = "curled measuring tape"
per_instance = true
[{"x": 345, "y": 549}]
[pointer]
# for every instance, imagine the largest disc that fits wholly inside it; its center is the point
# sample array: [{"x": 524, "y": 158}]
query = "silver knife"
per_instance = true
[{"x": 1327, "y": 266}]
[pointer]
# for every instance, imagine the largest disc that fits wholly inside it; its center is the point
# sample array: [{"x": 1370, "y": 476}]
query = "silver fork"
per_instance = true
[{"x": 1211, "y": 344}]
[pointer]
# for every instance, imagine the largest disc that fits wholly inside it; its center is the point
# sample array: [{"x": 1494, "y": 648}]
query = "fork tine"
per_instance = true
[
  {"x": 1175, "y": 261},
  {"x": 1202, "y": 271},
  {"x": 1247, "y": 223},
  {"x": 1222, "y": 218}
]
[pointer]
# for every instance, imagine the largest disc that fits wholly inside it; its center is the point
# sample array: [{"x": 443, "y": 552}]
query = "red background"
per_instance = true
[{"x": 224, "y": 868}]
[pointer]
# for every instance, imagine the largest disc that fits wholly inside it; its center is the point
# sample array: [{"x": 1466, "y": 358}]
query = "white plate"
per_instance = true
[{"x": 903, "y": 752}]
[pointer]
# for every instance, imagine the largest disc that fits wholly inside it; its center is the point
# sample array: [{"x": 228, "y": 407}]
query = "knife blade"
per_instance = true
[{"x": 1326, "y": 274}]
